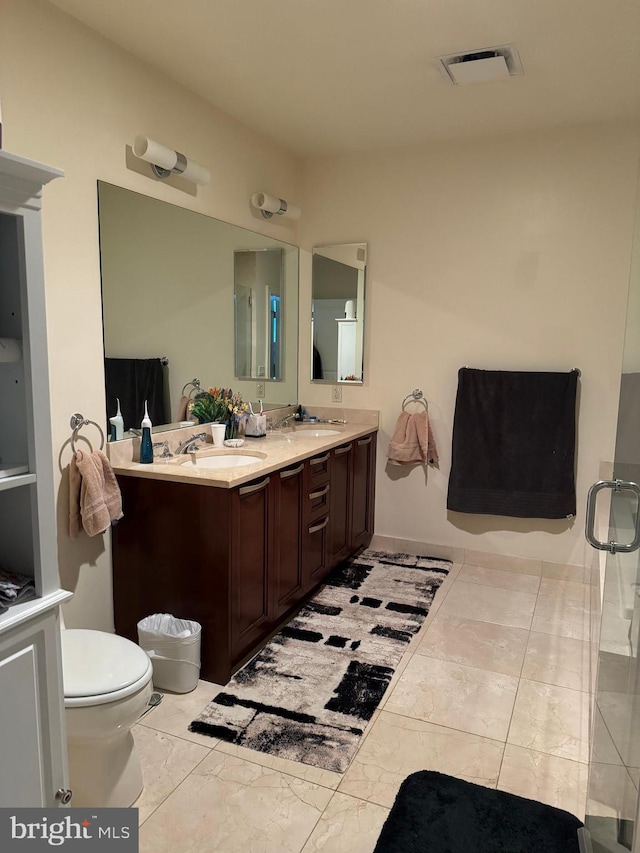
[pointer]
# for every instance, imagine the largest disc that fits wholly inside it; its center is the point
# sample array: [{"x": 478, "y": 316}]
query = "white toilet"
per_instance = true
[{"x": 107, "y": 686}]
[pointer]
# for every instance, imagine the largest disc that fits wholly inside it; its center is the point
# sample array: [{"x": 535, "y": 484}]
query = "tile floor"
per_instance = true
[{"x": 493, "y": 689}]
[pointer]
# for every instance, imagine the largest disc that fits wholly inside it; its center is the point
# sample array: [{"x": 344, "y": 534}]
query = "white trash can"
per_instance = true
[{"x": 174, "y": 648}]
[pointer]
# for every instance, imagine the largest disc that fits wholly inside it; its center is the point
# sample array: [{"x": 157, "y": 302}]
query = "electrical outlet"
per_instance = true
[
  {"x": 336, "y": 393},
  {"x": 259, "y": 390}
]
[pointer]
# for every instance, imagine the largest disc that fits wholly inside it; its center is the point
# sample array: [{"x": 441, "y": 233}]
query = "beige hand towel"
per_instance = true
[
  {"x": 75, "y": 481},
  {"x": 412, "y": 442},
  {"x": 100, "y": 500},
  {"x": 183, "y": 405}
]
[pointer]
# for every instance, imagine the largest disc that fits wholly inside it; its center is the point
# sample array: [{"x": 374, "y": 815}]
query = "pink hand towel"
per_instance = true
[
  {"x": 75, "y": 482},
  {"x": 183, "y": 408},
  {"x": 412, "y": 442},
  {"x": 100, "y": 501}
]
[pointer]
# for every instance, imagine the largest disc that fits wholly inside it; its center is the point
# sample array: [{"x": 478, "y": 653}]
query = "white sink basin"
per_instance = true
[
  {"x": 225, "y": 460},
  {"x": 314, "y": 433}
]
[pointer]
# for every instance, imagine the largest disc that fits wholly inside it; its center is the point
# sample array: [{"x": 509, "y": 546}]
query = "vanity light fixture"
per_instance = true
[
  {"x": 269, "y": 205},
  {"x": 165, "y": 161}
]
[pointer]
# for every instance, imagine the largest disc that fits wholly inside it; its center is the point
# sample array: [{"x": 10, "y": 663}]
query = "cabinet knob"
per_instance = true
[{"x": 63, "y": 795}]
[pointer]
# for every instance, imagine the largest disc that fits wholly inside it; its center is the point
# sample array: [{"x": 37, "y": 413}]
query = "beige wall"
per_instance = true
[
  {"x": 71, "y": 99},
  {"x": 507, "y": 253}
]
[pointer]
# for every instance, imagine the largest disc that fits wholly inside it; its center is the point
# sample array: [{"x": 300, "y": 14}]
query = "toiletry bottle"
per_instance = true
[
  {"x": 146, "y": 445},
  {"x": 117, "y": 425}
]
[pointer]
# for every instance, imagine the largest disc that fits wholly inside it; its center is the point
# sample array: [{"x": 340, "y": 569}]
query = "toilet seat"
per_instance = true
[{"x": 99, "y": 667}]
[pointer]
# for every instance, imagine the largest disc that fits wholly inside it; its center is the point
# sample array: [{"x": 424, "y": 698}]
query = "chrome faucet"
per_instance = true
[
  {"x": 189, "y": 446},
  {"x": 282, "y": 423},
  {"x": 166, "y": 453}
]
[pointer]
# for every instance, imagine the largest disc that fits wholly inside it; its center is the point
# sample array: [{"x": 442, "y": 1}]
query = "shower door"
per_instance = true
[{"x": 614, "y": 769}]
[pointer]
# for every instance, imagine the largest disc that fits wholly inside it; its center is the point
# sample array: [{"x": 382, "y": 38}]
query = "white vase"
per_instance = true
[{"x": 217, "y": 433}]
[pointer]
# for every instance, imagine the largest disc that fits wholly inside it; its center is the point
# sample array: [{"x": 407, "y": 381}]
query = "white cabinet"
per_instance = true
[{"x": 32, "y": 735}]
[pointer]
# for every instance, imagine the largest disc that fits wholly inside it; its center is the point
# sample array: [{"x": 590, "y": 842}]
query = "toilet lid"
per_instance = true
[{"x": 95, "y": 663}]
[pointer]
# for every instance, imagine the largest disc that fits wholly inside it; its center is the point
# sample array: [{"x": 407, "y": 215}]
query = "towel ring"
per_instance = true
[
  {"x": 77, "y": 422},
  {"x": 416, "y": 396},
  {"x": 195, "y": 387}
]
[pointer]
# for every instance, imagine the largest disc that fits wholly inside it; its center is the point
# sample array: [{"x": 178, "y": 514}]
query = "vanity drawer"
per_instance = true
[
  {"x": 318, "y": 500},
  {"x": 318, "y": 469}
]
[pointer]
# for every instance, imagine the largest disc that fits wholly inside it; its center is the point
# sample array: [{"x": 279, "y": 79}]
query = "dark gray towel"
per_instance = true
[{"x": 514, "y": 444}]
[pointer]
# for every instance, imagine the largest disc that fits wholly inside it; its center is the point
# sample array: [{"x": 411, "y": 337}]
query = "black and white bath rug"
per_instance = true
[{"x": 310, "y": 692}]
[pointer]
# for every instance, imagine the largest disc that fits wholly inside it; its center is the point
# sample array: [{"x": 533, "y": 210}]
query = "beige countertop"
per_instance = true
[{"x": 279, "y": 449}]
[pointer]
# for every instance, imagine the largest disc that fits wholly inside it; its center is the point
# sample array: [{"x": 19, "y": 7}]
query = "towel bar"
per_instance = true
[
  {"x": 77, "y": 422},
  {"x": 573, "y": 370}
]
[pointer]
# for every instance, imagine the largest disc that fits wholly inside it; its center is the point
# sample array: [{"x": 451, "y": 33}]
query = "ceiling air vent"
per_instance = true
[{"x": 481, "y": 66}]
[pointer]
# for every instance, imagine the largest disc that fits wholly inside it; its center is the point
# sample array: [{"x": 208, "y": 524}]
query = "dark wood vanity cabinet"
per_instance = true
[
  {"x": 250, "y": 563},
  {"x": 341, "y": 492},
  {"x": 288, "y": 586},
  {"x": 352, "y": 497},
  {"x": 362, "y": 497},
  {"x": 239, "y": 561}
]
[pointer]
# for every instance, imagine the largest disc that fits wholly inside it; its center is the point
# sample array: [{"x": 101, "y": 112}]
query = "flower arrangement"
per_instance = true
[{"x": 221, "y": 405}]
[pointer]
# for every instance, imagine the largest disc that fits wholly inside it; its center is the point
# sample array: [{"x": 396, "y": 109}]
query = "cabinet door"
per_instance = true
[
  {"x": 287, "y": 543},
  {"x": 250, "y": 565},
  {"x": 315, "y": 551},
  {"x": 362, "y": 491},
  {"x": 32, "y": 737},
  {"x": 340, "y": 527}
]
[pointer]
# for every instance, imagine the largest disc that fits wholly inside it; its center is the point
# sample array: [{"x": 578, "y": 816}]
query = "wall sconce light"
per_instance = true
[
  {"x": 269, "y": 205},
  {"x": 165, "y": 161}
]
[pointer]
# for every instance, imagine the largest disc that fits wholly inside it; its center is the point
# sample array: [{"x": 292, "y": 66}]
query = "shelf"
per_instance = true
[
  {"x": 17, "y": 481},
  {"x": 19, "y": 613}
]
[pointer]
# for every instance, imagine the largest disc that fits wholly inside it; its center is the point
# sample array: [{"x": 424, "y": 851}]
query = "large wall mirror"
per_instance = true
[
  {"x": 213, "y": 300},
  {"x": 337, "y": 313}
]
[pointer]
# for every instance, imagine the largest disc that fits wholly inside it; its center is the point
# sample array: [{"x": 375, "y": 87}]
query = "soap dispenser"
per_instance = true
[
  {"x": 146, "y": 445},
  {"x": 117, "y": 425}
]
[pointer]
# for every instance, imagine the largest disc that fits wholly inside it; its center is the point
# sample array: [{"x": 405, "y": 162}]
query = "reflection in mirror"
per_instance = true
[
  {"x": 337, "y": 312},
  {"x": 168, "y": 292},
  {"x": 257, "y": 283}
]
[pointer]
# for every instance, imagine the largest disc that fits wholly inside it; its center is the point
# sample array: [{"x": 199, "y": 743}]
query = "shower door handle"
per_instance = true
[{"x": 589, "y": 530}]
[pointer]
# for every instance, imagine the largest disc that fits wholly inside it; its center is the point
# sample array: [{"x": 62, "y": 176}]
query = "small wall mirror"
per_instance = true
[{"x": 337, "y": 313}]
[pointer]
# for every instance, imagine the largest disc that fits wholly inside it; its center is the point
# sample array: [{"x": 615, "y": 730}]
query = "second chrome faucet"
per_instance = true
[{"x": 189, "y": 446}]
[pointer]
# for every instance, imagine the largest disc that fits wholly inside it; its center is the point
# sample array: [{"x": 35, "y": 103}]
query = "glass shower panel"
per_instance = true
[
  {"x": 615, "y": 749},
  {"x": 614, "y": 770}
]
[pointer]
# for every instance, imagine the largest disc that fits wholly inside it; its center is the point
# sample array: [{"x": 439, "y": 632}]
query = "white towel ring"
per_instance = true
[
  {"x": 77, "y": 422},
  {"x": 416, "y": 396}
]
